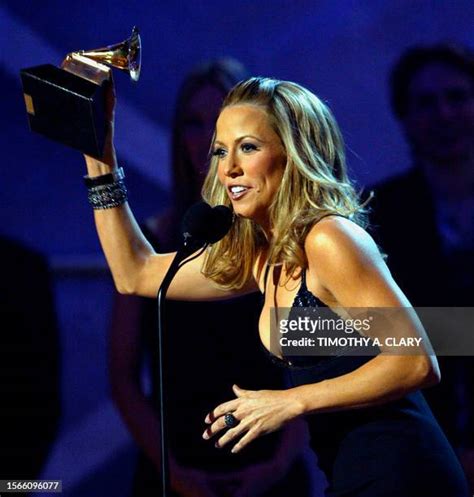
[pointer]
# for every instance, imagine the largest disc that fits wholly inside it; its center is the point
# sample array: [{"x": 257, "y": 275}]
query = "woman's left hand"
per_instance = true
[{"x": 257, "y": 412}]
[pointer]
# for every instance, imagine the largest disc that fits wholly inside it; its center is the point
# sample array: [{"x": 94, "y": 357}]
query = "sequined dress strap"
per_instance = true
[{"x": 303, "y": 298}]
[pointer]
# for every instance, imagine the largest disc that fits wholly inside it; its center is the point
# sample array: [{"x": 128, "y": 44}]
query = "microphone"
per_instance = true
[{"x": 203, "y": 224}]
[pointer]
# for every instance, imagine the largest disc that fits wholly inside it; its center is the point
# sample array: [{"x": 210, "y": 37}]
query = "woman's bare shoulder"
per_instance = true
[
  {"x": 346, "y": 261},
  {"x": 334, "y": 235}
]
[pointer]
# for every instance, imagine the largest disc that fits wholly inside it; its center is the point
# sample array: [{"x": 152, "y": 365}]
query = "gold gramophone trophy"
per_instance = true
[{"x": 67, "y": 104}]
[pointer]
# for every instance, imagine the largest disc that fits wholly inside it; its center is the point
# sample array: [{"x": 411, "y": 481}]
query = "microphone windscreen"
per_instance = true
[
  {"x": 222, "y": 221},
  {"x": 206, "y": 224},
  {"x": 195, "y": 220}
]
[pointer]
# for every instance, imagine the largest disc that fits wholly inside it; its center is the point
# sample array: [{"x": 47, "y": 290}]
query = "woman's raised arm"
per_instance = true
[{"x": 135, "y": 267}]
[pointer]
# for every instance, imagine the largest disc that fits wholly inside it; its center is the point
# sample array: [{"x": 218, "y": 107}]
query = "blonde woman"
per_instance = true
[
  {"x": 279, "y": 461},
  {"x": 299, "y": 239}
]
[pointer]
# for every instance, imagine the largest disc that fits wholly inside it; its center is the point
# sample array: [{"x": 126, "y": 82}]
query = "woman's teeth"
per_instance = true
[{"x": 238, "y": 191}]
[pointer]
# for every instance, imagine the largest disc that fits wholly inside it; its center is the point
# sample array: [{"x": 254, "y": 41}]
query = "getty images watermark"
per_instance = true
[
  {"x": 369, "y": 331},
  {"x": 355, "y": 327}
]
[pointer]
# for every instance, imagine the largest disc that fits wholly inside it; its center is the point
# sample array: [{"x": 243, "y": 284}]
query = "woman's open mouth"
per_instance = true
[{"x": 238, "y": 191}]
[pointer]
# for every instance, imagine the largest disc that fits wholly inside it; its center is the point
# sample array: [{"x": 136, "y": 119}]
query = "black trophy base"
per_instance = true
[{"x": 65, "y": 108}]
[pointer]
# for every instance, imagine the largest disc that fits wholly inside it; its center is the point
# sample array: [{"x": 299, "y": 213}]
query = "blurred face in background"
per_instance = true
[
  {"x": 439, "y": 122},
  {"x": 200, "y": 118}
]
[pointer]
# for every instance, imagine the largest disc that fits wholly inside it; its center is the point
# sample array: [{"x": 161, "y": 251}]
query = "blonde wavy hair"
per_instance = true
[{"x": 314, "y": 184}]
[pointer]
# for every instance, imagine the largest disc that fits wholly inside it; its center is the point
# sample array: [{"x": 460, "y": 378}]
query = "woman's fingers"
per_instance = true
[
  {"x": 231, "y": 433},
  {"x": 221, "y": 410},
  {"x": 218, "y": 425},
  {"x": 255, "y": 412},
  {"x": 251, "y": 435}
]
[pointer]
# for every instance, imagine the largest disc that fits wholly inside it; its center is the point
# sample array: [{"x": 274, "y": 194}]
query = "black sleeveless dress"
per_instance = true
[{"x": 393, "y": 450}]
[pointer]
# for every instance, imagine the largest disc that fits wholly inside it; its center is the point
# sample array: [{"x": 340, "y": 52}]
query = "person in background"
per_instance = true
[
  {"x": 424, "y": 217},
  {"x": 29, "y": 362},
  {"x": 211, "y": 357}
]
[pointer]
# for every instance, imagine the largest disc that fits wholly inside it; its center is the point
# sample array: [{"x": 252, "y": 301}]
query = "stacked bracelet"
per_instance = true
[
  {"x": 106, "y": 191},
  {"x": 105, "y": 179},
  {"x": 107, "y": 196}
]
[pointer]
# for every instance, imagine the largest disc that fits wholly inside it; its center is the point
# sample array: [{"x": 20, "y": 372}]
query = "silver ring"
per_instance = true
[{"x": 230, "y": 420}]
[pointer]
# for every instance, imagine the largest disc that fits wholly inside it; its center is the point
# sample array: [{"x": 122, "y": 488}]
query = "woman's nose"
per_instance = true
[{"x": 232, "y": 167}]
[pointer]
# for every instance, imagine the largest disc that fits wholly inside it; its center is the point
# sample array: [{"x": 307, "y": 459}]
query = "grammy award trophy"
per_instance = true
[{"x": 67, "y": 103}]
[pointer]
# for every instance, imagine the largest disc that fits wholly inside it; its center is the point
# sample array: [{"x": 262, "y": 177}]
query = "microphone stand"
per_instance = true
[{"x": 188, "y": 248}]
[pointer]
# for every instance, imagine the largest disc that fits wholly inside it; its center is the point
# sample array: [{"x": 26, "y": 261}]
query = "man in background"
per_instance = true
[{"x": 424, "y": 218}]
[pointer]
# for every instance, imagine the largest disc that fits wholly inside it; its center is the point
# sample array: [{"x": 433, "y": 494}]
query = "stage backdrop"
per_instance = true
[{"x": 341, "y": 49}]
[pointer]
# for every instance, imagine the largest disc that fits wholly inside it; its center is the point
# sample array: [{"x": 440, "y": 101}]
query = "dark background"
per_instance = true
[{"x": 341, "y": 49}]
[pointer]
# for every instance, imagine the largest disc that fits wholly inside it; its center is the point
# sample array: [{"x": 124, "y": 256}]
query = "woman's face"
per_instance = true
[
  {"x": 251, "y": 160},
  {"x": 200, "y": 118}
]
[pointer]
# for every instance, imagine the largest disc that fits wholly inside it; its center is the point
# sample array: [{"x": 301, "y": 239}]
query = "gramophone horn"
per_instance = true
[{"x": 125, "y": 56}]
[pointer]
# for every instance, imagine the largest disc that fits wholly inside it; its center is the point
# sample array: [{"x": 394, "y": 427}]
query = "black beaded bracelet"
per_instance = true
[
  {"x": 104, "y": 179},
  {"x": 107, "y": 196}
]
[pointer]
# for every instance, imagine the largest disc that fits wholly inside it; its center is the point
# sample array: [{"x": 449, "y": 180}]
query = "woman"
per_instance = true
[
  {"x": 278, "y": 161},
  {"x": 195, "y": 466}
]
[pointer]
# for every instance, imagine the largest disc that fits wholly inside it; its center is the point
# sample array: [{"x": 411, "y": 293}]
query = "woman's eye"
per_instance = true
[
  {"x": 218, "y": 152},
  {"x": 248, "y": 147}
]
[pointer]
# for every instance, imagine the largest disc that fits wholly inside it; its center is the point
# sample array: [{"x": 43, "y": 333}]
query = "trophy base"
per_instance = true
[{"x": 65, "y": 108}]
